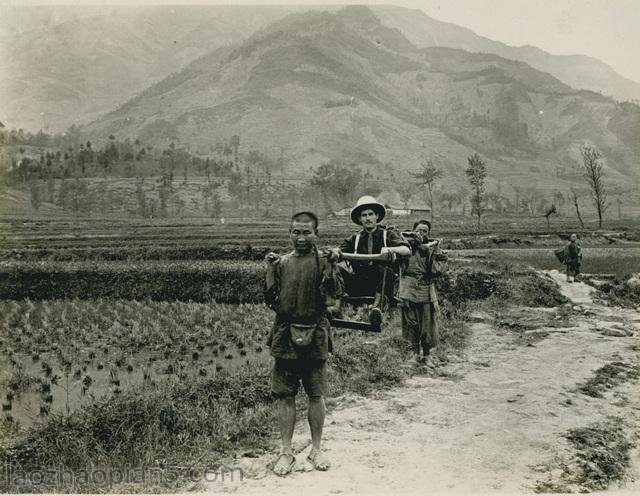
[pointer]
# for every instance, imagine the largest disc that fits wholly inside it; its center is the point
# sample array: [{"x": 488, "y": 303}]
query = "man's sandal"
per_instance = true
[
  {"x": 282, "y": 467},
  {"x": 319, "y": 460}
]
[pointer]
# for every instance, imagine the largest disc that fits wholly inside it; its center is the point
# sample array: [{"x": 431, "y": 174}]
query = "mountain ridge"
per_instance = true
[
  {"x": 50, "y": 83},
  {"x": 576, "y": 70},
  {"x": 321, "y": 88}
]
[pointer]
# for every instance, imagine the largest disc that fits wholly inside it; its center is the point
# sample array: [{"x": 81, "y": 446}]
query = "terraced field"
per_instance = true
[{"x": 202, "y": 239}]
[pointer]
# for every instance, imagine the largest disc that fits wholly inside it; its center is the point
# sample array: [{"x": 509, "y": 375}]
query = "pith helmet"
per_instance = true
[{"x": 364, "y": 203}]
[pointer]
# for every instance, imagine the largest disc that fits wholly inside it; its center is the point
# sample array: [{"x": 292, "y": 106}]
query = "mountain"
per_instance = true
[
  {"x": 68, "y": 65},
  {"x": 578, "y": 71},
  {"x": 322, "y": 85}
]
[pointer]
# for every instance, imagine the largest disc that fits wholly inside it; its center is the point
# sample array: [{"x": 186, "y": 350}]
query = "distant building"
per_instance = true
[
  {"x": 345, "y": 212},
  {"x": 409, "y": 210}
]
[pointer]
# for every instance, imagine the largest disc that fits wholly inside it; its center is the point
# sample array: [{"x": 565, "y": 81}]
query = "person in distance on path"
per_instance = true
[{"x": 573, "y": 258}]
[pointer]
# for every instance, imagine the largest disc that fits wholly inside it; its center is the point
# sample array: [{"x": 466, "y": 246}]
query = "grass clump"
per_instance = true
[
  {"x": 602, "y": 453},
  {"x": 20, "y": 381},
  {"x": 600, "y": 458},
  {"x": 527, "y": 288},
  {"x": 620, "y": 293},
  {"x": 466, "y": 285},
  {"x": 609, "y": 376},
  {"x": 195, "y": 423},
  {"x": 362, "y": 366}
]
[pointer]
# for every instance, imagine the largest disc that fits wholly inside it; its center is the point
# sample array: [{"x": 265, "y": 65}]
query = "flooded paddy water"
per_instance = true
[
  {"x": 58, "y": 355},
  {"x": 60, "y": 391}
]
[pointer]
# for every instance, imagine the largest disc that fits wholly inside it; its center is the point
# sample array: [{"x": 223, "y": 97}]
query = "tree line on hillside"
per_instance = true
[{"x": 62, "y": 170}]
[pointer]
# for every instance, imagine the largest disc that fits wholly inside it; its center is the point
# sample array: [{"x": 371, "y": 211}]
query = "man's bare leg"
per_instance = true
[
  {"x": 316, "y": 423},
  {"x": 286, "y": 422}
]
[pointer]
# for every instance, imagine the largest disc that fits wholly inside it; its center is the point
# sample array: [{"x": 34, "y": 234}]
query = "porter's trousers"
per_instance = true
[{"x": 420, "y": 325}]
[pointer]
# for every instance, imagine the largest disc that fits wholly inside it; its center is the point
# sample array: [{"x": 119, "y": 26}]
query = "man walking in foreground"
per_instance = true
[
  {"x": 417, "y": 293},
  {"x": 301, "y": 287}
]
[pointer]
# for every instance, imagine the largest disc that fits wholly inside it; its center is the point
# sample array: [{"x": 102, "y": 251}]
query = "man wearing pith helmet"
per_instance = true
[{"x": 373, "y": 238}]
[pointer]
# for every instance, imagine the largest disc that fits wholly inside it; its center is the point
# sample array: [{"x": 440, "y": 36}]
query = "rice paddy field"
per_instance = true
[
  {"x": 57, "y": 355},
  {"x": 69, "y": 239},
  {"x": 102, "y": 312},
  {"x": 621, "y": 262}
]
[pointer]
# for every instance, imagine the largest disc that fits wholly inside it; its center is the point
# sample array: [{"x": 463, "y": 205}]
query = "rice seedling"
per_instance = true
[
  {"x": 46, "y": 369},
  {"x": 113, "y": 377}
]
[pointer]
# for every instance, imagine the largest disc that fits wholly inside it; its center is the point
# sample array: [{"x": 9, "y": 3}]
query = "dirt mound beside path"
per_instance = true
[{"x": 490, "y": 421}]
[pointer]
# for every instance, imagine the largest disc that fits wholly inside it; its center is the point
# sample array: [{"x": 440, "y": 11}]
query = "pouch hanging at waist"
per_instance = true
[{"x": 302, "y": 334}]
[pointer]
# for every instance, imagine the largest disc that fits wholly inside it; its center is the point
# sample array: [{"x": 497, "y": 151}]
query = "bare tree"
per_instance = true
[
  {"x": 528, "y": 199},
  {"x": 575, "y": 203},
  {"x": 550, "y": 211},
  {"x": 593, "y": 174},
  {"x": 559, "y": 199},
  {"x": 428, "y": 176},
  {"x": 477, "y": 173}
]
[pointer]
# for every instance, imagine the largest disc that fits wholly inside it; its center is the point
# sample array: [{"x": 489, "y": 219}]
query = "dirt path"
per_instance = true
[{"x": 490, "y": 422}]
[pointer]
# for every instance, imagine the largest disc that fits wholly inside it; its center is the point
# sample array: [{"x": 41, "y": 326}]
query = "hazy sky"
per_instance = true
[{"x": 606, "y": 29}]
